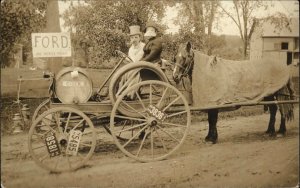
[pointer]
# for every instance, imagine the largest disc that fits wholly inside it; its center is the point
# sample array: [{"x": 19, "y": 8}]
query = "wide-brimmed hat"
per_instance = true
[
  {"x": 150, "y": 32},
  {"x": 154, "y": 25},
  {"x": 151, "y": 29},
  {"x": 135, "y": 30}
]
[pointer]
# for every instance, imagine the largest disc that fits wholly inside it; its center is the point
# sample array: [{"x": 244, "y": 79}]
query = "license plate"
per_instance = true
[
  {"x": 155, "y": 112},
  {"x": 52, "y": 144},
  {"x": 73, "y": 143}
]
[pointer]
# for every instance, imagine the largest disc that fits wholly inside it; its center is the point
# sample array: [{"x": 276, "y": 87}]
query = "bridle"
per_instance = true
[{"x": 187, "y": 68}]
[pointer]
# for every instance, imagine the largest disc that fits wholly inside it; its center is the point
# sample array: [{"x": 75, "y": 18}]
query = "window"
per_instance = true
[{"x": 284, "y": 45}]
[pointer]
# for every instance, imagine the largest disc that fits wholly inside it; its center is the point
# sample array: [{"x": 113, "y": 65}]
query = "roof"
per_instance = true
[{"x": 269, "y": 30}]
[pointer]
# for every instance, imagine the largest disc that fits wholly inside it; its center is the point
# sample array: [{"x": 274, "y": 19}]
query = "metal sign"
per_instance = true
[{"x": 51, "y": 44}]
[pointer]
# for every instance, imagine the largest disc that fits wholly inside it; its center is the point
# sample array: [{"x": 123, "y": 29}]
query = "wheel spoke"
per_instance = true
[
  {"x": 49, "y": 119},
  {"x": 171, "y": 103},
  {"x": 162, "y": 142},
  {"x": 47, "y": 108},
  {"x": 51, "y": 128},
  {"x": 131, "y": 128},
  {"x": 141, "y": 101},
  {"x": 130, "y": 118},
  {"x": 44, "y": 157},
  {"x": 177, "y": 113},
  {"x": 151, "y": 140},
  {"x": 126, "y": 84},
  {"x": 162, "y": 97},
  {"x": 123, "y": 102},
  {"x": 160, "y": 128},
  {"x": 142, "y": 143},
  {"x": 84, "y": 144},
  {"x": 134, "y": 136},
  {"x": 80, "y": 155},
  {"x": 81, "y": 121},
  {"x": 40, "y": 135},
  {"x": 57, "y": 117},
  {"x": 67, "y": 124},
  {"x": 39, "y": 147}
]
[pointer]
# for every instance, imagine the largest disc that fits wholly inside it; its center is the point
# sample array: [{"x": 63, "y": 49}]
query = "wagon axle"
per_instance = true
[{"x": 152, "y": 122}]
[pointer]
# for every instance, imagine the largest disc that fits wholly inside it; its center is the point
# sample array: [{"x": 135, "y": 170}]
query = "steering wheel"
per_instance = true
[{"x": 123, "y": 55}]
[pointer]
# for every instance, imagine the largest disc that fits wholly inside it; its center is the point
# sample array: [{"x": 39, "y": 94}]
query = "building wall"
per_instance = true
[{"x": 271, "y": 44}]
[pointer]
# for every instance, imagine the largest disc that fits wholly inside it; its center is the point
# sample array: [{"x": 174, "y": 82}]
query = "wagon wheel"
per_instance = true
[
  {"x": 62, "y": 139},
  {"x": 162, "y": 127},
  {"x": 144, "y": 70},
  {"x": 44, "y": 106}
]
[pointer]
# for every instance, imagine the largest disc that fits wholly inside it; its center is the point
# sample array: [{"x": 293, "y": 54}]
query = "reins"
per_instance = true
[{"x": 186, "y": 69}]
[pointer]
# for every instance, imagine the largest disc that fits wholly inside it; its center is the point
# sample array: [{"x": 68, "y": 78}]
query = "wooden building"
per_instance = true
[{"x": 268, "y": 41}]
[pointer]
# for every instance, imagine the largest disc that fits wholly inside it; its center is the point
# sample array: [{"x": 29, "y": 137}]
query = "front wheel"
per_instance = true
[
  {"x": 162, "y": 126},
  {"x": 62, "y": 139}
]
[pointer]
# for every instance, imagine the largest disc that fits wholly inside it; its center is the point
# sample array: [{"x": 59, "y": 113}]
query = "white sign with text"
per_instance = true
[{"x": 51, "y": 44}]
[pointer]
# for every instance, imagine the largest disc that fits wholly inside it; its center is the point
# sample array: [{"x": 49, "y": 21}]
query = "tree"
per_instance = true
[
  {"x": 242, "y": 14},
  {"x": 18, "y": 19},
  {"x": 102, "y": 26},
  {"x": 198, "y": 18}
]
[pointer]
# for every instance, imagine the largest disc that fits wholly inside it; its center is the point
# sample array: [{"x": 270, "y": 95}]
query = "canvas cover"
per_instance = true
[{"x": 217, "y": 81}]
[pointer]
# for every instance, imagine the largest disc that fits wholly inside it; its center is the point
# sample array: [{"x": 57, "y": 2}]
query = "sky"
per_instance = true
[{"x": 226, "y": 25}]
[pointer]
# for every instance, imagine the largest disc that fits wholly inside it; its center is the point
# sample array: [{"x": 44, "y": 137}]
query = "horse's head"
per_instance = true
[{"x": 184, "y": 60}]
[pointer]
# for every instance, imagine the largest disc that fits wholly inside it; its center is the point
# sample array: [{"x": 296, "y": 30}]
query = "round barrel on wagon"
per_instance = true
[{"x": 73, "y": 85}]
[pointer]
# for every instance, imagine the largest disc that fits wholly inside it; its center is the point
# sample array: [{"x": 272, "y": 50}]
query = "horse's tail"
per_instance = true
[{"x": 286, "y": 93}]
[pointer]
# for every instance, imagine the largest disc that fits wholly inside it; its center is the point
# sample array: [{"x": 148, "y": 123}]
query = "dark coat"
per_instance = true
[{"x": 152, "y": 50}]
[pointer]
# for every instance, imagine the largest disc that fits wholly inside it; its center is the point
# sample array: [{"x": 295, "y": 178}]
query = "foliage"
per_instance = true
[
  {"x": 243, "y": 15},
  {"x": 101, "y": 27},
  {"x": 18, "y": 19}
]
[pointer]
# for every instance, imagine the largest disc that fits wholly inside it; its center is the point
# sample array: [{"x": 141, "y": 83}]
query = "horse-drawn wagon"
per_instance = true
[{"x": 149, "y": 127}]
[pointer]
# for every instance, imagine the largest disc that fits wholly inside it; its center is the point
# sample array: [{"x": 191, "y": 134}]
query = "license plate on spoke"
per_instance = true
[
  {"x": 52, "y": 144},
  {"x": 155, "y": 112},
  {"x": 73, "y": 144}
]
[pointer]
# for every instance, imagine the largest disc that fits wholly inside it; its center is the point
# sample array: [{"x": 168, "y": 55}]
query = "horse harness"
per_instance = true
[{"x": 189, "y": 65}]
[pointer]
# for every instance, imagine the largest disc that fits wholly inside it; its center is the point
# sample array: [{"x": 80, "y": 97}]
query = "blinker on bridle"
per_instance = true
[{"x": 189, "y": 65}]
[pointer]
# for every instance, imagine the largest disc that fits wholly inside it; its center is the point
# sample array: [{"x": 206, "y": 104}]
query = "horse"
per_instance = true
[{"x": 184, "y": 64}]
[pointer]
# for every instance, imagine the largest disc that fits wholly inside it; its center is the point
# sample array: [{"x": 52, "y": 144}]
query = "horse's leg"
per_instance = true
[
  {"x": 271, "y": 127},
  {"x": 282, "y": 128},
  {"x": 212, "y": 135}
]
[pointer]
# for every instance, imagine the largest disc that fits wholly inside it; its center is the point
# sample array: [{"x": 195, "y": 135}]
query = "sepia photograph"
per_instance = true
[{"x": 149, "y": 93}]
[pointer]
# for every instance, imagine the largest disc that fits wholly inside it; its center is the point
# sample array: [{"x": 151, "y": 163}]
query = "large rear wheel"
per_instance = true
[
  {"x": 143, "y": 70},
  {"x": 162, "y": 124}
]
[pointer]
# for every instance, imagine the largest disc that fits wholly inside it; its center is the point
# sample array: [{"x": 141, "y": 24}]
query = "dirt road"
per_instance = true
[{"x": 244, "y": 157}]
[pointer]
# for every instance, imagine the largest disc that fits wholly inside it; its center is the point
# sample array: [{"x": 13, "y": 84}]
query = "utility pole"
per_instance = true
[{"x": 53, "y": 26}]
